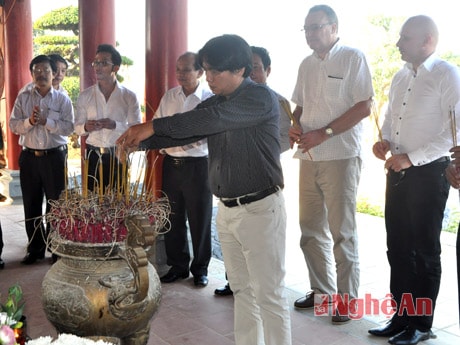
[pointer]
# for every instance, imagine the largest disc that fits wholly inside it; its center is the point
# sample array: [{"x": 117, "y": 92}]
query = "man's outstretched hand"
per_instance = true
[
  {"x": 129, "y": 140},
  {"x": 134, "y": 135}
]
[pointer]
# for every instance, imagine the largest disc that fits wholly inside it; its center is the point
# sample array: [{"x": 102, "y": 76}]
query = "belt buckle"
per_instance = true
[
  {"x": 177, "y": 162},
  {"x": 39, "y": 153}
]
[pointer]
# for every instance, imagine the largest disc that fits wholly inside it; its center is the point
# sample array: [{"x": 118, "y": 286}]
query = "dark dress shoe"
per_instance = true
[
  {"x": 390, "y": 329},
  {"x": 200, "y": 281},
  {"x": 224, "y": 291},
  {"x": 411, "y": 336},
  {"x": 341, "y": 314},
  {"x": 306, "y": 302},
  {"x": 54, "y": 258},
  {"x": 2, "y": 264},
  {"x": 31, "y": 258},
  {"x": 171, "y": 277}
]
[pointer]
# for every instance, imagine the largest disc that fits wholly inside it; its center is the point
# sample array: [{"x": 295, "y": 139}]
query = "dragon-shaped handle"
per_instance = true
[{"x": 127, "y": 300}]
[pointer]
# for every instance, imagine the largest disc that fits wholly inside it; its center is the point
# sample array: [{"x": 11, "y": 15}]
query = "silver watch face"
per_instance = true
[{"x": 329, "y": 131}]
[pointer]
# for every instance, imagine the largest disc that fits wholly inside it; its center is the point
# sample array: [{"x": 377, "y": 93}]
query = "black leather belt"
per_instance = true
[
  {"x": 101, "y": 150},
  {"x": 41, "y": 153},
  {"x": 178, "y": 161},
  {"x": 247, "y": 199},
  {"x": 442, "y": 159}
]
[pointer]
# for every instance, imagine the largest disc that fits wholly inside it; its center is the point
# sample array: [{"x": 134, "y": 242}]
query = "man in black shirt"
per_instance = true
[{"x": 241, "y": 124}]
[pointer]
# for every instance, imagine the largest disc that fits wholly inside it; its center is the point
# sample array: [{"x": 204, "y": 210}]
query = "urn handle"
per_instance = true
[{"x": 125, "y": 302}]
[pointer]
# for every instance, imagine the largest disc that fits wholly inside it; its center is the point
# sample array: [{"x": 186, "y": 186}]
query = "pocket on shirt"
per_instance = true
[
  {"x": 334, "y": 88},
  {"x": 54, "y": 114}
]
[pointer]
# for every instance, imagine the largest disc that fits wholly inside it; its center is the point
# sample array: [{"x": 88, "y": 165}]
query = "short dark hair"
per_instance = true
[
  {"x": 108, "y": 48},
  {"x": 330, "y": 13},
  {"x": 196, "y": 63},
  {"x": 227, "y": 53},
  {"x": 58, "y": 58},
  {"x": 264, "y": 56},
  {"x": 41, "y": 59}
]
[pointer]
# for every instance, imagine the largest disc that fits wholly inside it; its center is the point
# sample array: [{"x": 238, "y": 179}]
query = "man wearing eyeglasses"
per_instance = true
[
  {"x": 332, "y": 95},
  {"x": 103, "y": 112},
  {"x": 61, "y": 70},
  {"x": 43, "y": 118}
]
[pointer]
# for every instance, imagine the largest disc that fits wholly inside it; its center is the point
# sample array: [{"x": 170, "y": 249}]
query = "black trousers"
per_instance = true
[
  {"x": 1, "y": 240},
  {"x": 111, "y": 170},
  {"x": 414, "y": 210},
  {"x": 40, "y": 177},
  {"x": 458, "y": 269},
  {"x": 185, "y": 183}
]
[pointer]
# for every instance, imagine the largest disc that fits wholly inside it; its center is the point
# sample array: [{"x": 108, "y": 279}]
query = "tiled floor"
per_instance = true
[{"x": 192, "y": 316}]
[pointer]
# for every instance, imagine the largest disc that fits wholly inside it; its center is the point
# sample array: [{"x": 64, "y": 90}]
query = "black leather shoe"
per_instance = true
[
  {"x": 31, "y": 258},
  {"x": 200, "y": 281},
  {"x": 306, "y": 302},
  {"x": 2, "y": 264},
  {"x": 54, "y": 258},
  {"x": 341, "y": 314},
  {"x": 224, "y": 291},
  {"x": 171, "y": 277},
  {"x": 411, "y": 336},
  {"x": 390, "y": 329}
]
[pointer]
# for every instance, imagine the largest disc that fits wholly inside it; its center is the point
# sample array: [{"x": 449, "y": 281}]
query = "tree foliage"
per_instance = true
[
  {"x": 58, "y": 32},
  {"x": 63, "y": 19},
  {"x": 385, "y": 59},
  {"x": 384, "y": 56}
]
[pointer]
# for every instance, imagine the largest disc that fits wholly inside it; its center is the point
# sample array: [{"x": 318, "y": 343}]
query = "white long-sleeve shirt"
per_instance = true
[
  {"x": 122, "y": 107},
  {"x": 174, "y": 101},
  {"x": 417, "y": 121},
  {"x": 55, "y": 105}
]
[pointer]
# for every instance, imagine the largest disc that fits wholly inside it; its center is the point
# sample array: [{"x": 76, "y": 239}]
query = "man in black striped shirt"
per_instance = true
[{"x": 241, "y": 124}]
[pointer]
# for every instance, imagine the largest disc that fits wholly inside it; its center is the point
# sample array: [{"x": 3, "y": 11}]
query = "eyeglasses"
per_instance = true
[
  {"x": 41, "y": 70},
  {"x": 314, "y": 27},
  {"x": 103, "y": 63}
]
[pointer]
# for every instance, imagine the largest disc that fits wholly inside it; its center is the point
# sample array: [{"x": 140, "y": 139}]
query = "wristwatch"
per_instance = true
[{"x": 329, "y": 132}]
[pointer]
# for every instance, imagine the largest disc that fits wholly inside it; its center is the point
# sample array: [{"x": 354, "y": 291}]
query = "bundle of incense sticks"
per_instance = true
[
  {"x": 287, "y": 108},
  {"x": 453, "y": 123}
]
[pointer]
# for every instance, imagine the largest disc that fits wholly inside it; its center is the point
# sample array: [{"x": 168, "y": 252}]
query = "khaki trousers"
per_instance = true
[{"x": 327, "y": 216}]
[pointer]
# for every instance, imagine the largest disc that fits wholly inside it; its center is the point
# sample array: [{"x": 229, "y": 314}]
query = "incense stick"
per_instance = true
[
  {"x": 287, "y": 109},
  {"x": 453, "y": 123}
]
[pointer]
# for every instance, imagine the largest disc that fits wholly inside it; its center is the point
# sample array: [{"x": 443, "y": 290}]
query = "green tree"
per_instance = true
[
  {"x": 385, "y": 59},
  {"x": 58, "y": 32}
]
